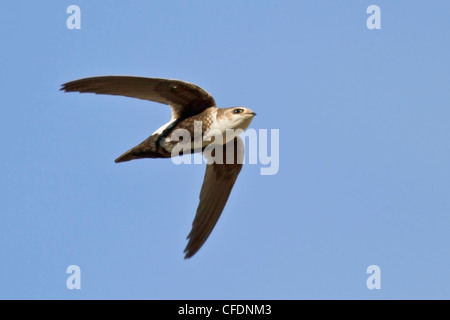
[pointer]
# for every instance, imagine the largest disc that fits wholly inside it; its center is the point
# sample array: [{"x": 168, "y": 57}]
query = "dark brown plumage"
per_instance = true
[
  {"x": 217, "y": 184},
  {"x": 185, "y": 99},
  {"x": 189, "y": 103}
]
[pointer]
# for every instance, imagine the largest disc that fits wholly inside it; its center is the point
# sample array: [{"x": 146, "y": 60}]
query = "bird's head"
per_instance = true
[{"x": 239, "y": 117}]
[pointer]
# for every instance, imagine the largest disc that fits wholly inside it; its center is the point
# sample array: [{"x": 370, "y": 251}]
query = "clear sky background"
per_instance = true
[{"x": 364, "y": 172}]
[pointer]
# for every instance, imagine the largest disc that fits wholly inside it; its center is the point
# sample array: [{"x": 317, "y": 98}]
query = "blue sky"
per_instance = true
[{"x": 363, "y": 117}]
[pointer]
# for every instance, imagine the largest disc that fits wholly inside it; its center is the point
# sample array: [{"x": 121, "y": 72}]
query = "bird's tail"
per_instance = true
[
  {"x": 138, "y": 152},
  {"x": 127, "y": 156}
]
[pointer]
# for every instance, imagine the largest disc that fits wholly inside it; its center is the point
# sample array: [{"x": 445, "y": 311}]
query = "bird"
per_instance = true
[{"x": 190, "y": 106}]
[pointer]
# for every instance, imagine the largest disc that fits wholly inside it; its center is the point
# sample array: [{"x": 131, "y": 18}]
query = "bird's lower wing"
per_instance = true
[{"x": 217, "y": 184}]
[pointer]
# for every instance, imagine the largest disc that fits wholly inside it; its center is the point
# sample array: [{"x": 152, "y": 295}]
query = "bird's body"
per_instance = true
[{"x": 195, "y": 114}]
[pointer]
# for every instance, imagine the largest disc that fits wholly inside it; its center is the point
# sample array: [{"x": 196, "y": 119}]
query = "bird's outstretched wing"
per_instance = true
[
  {"x": 186, "y": 99},
  {"x": 217, "y": 184}
]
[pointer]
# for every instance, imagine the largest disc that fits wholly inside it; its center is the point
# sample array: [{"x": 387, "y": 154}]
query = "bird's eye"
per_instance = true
[{"x": 238, "y": 111}]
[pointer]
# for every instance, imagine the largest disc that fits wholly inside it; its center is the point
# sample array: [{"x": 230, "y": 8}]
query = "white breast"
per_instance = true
[{"x": 219, "y": 127}]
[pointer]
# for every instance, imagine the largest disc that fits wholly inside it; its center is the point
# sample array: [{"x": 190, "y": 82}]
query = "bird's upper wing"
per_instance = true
[
  {"x": 217, "y": 184},
  {"x": 186, "y": 99}
]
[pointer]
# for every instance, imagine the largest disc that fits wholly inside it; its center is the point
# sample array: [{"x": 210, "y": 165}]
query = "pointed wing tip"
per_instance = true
[
  {"x": 65, "y": 87},
  {"x": 188, "y": 253},
  {"x": 191, "y": 249}
]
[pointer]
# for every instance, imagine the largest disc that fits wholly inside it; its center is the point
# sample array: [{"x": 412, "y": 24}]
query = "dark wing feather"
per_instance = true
[
  {"x": 186, "y": 99},
  {"x": 217, "y": 184}
]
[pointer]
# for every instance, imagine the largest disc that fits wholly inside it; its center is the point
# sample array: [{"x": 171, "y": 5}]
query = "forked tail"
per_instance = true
[{"x": 140, "y": 152}]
